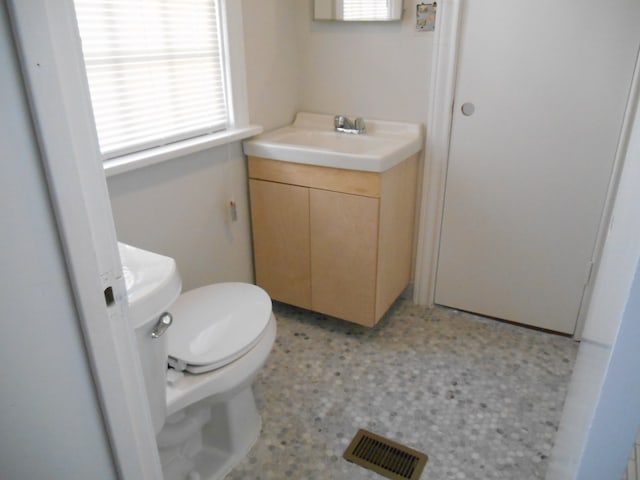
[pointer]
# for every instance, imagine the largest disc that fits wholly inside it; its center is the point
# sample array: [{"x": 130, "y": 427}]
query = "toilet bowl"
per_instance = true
[{"x": 202, "y": 407}]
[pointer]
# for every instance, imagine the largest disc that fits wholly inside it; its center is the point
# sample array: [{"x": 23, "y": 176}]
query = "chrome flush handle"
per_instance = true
[{"x": 164, "y": 322}]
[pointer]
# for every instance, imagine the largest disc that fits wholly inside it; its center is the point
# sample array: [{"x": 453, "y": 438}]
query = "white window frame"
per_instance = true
[
  {"x": 236, "y": 93},
  {"x": 146, "y": 91}
]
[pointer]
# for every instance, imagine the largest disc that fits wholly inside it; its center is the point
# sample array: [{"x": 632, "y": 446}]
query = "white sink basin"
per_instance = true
[{"x": 312, "y": 140}]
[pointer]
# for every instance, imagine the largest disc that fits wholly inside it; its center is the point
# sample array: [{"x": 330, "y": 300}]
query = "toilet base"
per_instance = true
[{"x": 208, "y": 439}]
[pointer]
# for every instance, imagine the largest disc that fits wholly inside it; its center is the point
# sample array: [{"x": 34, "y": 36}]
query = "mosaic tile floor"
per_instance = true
[{"x": 482, "y": 398}]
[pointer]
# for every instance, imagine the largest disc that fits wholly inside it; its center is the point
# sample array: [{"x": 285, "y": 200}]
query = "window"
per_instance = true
[{"x": 155, "y": 70}]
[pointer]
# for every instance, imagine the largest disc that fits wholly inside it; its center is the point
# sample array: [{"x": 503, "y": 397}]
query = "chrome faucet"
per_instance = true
[{"x": 344, "y": 125}]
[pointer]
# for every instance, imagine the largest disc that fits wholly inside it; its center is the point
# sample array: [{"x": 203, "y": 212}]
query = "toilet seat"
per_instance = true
[{"x": 216, "y": 324}]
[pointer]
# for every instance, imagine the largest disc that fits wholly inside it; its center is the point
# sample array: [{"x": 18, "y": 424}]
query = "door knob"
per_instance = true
[{"x": 468, "y": 108}]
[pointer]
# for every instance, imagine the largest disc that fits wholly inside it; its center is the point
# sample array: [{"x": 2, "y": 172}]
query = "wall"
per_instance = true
[
  {"x": 375, "y": 70},
  {"x": 180, "y": 208},
  {"x": 601, "y": 414},
  {"x": 50, "y": 419},
  {"x": 272, "y": 52}
]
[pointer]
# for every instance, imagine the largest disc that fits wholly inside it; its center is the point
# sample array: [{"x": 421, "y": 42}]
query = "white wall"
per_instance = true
[
  {"x": 375, "y": 70},
  {"x": 180, "y": 208},
  {"x": 272, "y": 53},
  {"x": 601, "y": 415},
  {"x": 50, "y": 421}
]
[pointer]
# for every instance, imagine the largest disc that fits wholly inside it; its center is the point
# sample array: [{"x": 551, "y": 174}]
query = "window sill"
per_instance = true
[{"x": 153, "y": 156}]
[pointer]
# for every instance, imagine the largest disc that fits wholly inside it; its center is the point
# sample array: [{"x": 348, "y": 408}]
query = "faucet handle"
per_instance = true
[
  {"x": 338, "y": 121},
  {"x": 360, "y": 125}
]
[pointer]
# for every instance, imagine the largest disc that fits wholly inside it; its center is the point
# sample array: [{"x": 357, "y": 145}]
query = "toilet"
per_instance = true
[{"x": 215, "y": 339}]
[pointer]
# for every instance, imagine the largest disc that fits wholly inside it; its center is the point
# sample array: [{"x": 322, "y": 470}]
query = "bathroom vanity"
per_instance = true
[
  {"x": 339, "y": 242},
  {"x": 334, "y": 240}
]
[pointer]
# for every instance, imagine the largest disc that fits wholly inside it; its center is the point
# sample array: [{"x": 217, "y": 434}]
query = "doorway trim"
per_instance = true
[
  {"x": 45, "y": 34},
  {"x": 612, "y": 190},
  {"x": 441, "y": 95}
]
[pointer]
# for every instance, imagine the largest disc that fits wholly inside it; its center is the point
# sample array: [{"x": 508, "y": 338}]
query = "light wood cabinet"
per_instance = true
[
  {"x": 339, "y": 242},
  {"x": 344, "y": 238},
  {"x": 280, "y": 218}
]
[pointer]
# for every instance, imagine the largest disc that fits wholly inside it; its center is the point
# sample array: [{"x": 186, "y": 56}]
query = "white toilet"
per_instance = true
[{"x": 202, "y": 408}]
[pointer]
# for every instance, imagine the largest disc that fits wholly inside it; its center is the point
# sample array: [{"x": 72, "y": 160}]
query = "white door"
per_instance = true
[{"x": 546, "y": 84}]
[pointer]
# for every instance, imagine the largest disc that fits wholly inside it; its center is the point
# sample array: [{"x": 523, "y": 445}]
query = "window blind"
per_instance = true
[
  {"x": 365, "y": 9},
  {"x": 155, "y": 71}
]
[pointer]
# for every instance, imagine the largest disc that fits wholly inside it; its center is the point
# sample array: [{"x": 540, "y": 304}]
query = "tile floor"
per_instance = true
[{"x": 482, "y": 398}]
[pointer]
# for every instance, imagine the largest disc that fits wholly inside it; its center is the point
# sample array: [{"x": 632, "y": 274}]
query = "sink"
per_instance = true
[{"x": 312, "y": 140}]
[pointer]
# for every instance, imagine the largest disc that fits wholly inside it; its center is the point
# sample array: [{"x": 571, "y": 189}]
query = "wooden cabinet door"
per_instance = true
[
  {"x": 280, "y": 221},
  {"x": 344, "y": 232}
]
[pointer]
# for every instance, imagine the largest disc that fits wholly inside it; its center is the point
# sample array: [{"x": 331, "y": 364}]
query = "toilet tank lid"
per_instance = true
[
  {"x": 152, "y": 282},
  {"x": 216, "y": 324}
]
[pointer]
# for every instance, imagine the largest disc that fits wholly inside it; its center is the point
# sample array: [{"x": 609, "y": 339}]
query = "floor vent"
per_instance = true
[{"x": 384, "y": 456}]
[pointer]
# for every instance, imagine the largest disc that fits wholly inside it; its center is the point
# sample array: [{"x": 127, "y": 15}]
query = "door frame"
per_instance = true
[
  {"x": 440, "y": 117},
  {"x": 46, "y": 37},
  {"x": 439, "y": 128}
]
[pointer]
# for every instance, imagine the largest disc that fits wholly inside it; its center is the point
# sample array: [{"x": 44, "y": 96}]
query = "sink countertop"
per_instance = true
[{"x": 312, "y": 140}]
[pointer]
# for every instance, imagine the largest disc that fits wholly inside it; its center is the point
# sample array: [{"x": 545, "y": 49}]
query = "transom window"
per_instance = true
[{"x": 155, "y": 70}]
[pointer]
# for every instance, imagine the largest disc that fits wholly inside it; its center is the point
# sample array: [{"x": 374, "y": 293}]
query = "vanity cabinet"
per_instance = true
[{"x": 339, "y": 242}]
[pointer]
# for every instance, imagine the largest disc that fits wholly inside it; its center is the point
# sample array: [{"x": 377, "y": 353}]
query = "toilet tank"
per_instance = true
[{"x": 153, "y": 284}]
